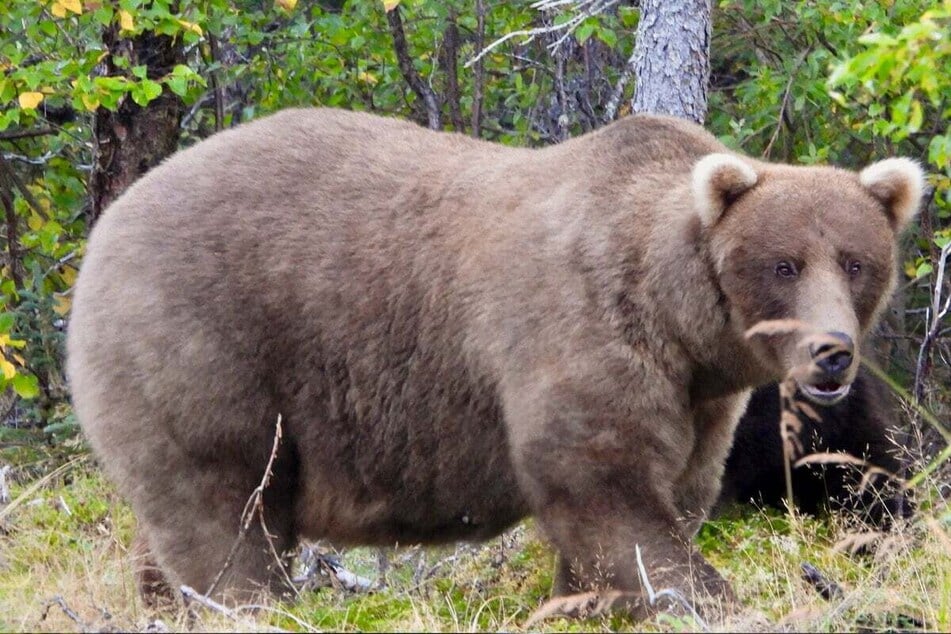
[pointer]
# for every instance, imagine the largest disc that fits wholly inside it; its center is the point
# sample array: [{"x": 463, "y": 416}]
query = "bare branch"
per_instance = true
[
  {"x": 216, "y": 88},
  {"x": 584, "y": 9},
  {"x": 11, "y": 175},
  {"x": 934, "y": 316},
  {"x": 59, "y": 601},
  {"x": 627, "y": 73},
  {"x": 13, "y": 240},
  {"x": 421, "y": 88},
  {"x": 26, "y": 134},
  {"x": 785, "y": 103},
  {"x": 479, "y": 72},
  {"x": 450, "y": 59},
  {"x": 190, "y": 594}
]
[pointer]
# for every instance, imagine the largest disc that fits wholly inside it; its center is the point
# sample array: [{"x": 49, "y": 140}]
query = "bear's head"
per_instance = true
[{"x": 815, "y": 246}]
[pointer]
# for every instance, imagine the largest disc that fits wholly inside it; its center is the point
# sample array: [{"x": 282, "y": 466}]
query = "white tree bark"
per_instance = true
[{"x": 672, "y": 58}]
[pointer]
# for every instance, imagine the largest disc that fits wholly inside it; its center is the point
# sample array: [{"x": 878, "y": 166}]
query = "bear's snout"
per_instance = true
[
  {"x": 834, "y": 359},
  {"x": 831, "y": 372}
]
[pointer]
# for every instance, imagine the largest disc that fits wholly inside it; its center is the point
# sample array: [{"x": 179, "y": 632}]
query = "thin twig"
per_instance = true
[
  {"x": 190, "y": 594},
  {"x": 216, "y": 88},
  {"x": 933, "y": 318},
  {"x": 59, "y": 601},
  {"x": 39, "y": 484},
  {"x": 254, "y": 507},
  {"x": 785, "y": 102},
  {"x": 11, "y": 174},
  {"x": 669, "y": 593}
]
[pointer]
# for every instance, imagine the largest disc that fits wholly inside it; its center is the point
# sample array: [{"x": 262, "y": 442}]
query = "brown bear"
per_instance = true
[
  {"x": 862, "y": 425},
  {"x": 456, "y": 335}
]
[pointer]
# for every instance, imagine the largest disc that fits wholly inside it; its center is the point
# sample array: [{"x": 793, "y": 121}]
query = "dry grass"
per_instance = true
[{"x": 64, "y": 566}]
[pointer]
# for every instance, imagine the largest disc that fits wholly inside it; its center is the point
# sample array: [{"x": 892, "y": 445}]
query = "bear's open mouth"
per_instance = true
[{"x": 825, "y": 393}]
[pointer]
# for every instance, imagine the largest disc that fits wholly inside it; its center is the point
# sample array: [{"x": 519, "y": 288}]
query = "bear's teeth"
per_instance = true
[{"x": 825, "y": 393}]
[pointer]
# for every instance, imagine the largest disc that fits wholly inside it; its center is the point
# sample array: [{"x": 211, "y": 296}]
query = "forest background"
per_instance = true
[{"x": 95, "y": 92}]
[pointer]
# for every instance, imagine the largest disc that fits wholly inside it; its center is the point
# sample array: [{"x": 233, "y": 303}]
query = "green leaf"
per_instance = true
[
  {"x": 178, "y": 85},
  {"x": 608, "y": 36},
  {"x": 917, "y": 116},
  {"x": 583, "y": 32},
  {"x": 26, "y": 386}
]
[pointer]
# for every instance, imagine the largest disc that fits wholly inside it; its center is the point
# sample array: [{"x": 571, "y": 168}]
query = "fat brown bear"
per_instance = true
[{"x": 457, "y": 335}]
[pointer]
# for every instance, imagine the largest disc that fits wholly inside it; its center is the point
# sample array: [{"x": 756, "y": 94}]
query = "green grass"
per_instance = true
[{"x": 68, "y": 539}]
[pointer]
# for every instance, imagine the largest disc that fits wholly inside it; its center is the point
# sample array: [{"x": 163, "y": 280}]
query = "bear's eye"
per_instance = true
[
  {"x": 786, "y": 269},
  {"x": 853, "y": 268}
]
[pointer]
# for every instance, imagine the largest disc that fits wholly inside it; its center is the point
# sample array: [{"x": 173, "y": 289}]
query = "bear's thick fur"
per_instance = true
[
  {"x": 862, "y": 425},
  {"x": 457, "y": 334}
]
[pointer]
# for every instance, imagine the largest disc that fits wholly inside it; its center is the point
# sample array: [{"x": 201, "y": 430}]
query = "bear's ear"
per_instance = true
[
  {"x": 899, "y": 183},
  {"x": 717, "y": 180}
]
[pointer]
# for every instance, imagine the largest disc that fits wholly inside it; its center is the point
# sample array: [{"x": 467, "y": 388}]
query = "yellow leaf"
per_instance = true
[
  {"x": 126, "y": 23},
  {"x": 367, "y": 78},
  {"x": 286, "y": 4},
  {"x": 69, "y": 274},
  {"x": 9, "y": 370},
  {"x": 91, "y": 102},
  {"x": 60, "y": 7},
  {"x": 389, "y": 5},
  {"x": 30, "y": 100},
  {"x": 34, "y": 222},
  {"x": 15, "y": 343},
  {"x": 190, "y": 26},
  {"x": 61, "y": 304}
]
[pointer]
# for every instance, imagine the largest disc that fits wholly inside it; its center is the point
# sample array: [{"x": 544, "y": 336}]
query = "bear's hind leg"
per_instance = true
[
  {"x": 196, "y": 531},
  {"x": 149, "y": 578}
]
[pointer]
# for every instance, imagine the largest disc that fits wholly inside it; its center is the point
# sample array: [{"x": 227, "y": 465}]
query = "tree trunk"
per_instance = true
[
  {"x": 672, "y": 58},
  {"x": 133, "y": 139}
]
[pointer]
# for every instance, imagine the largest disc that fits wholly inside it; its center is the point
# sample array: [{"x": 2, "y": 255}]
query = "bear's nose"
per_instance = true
[{"x": 838, "y": 361}]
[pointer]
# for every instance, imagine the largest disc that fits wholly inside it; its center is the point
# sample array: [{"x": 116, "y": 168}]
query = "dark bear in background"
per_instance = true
[{"x": 864, "y": 425}]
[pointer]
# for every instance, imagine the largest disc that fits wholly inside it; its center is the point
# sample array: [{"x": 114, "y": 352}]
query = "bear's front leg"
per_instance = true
[
  {"x": 599, "y": 458},
  {"x": 697, "y": 488}
]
